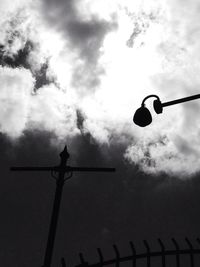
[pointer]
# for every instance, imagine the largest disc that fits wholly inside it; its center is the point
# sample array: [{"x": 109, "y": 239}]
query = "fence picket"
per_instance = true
[
  {"x": 83, "y": 262},
  {"x": 162, "y": 251},
  {"x": 100, "y": 256},
  {"x": 117, "y": 255},
  {"x": 63, "y": 263},
  {"x": 191, "y": 252},
  {"x": 134, "y": 253},
  {"x": 148, "y": 254},
  {"x": 177, "y": 252}
]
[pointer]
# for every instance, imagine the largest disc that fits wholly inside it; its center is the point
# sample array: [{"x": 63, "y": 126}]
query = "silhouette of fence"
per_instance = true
[{"x": 148, "y": 255}]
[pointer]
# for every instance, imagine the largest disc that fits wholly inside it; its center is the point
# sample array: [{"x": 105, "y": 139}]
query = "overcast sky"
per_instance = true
[{"x": 74, "y": 72}]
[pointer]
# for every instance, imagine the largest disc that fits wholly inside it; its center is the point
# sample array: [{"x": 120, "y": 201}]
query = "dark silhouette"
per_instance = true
[
  {"x": 142, "y": 116},
  {"x": 63, "y": 262},
  {"x": 58, "y": 173},
  {"x": 148, "y": 255}
]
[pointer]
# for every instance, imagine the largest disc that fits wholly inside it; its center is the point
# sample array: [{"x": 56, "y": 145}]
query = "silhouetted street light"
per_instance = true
[
  {"x": 142, "y": 116},
  {"x": 60, "y": 173}
]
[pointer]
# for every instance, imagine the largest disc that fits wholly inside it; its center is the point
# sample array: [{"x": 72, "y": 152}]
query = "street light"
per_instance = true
[
  {"x": 142, "y": 116},
  {"x": 60, "y": 173}
]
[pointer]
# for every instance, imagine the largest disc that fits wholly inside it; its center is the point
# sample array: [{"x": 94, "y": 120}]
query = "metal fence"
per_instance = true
[{"x": 190, "y": 250}]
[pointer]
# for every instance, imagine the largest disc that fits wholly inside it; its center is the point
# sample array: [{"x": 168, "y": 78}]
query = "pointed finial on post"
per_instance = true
[{"x": 64, "y": 155}]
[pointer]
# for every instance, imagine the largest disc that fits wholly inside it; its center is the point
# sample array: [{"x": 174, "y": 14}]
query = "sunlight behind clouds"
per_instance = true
[{"x": 101, "y": 59}]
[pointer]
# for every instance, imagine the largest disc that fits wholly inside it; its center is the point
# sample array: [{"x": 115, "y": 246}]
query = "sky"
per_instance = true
[{"x": 74, "y": 72}]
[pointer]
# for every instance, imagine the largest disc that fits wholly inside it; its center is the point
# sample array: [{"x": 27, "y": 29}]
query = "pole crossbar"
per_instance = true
[
  {"x": 65, "y": 169},
  {"x": 32, "y": 168},
  {"x": 89, "y": 169},
  {"x": 162, "y": 254}
]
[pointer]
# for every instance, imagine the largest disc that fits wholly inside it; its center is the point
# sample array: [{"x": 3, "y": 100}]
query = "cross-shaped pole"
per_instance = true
[{"x": 60, "y": 170}]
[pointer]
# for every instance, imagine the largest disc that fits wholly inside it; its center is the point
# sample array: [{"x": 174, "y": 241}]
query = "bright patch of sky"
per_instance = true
[{"x": 103, "y": 58}]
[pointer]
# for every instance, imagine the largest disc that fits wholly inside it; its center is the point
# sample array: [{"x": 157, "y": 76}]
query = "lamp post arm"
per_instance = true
[
  {"x": 142, "y": 116},
  {"x": 181, "y": 100}
]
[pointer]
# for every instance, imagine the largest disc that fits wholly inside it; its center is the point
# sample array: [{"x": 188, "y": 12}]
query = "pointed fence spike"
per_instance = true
[
  {"x": 161, "y": 244},
  {"x": 177, "y": 252},
  {"x": 132, "y": 247},
  {"x": 117, "y": 255},
  {"x": 175, "y": 244},
  {"x": 148, "y": 252},
  {"x": 134, "y": 253},
  {"x": 116, "y": 251},
  {"x": 163, "y": 252},
  {"x": 63, "y": 262},
  {"x": 189, "y": 243},
  {"x": 146, "y": 245},
  {"x": 83, "y": 262},
  {"x": 191, "y": 252},
  {"x": 100, "y": 255}
]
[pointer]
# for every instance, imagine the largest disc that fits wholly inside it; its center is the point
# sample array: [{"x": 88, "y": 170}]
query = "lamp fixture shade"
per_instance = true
[
  {"x": 142, "y": 117},
  {"x": 157, "y": 106}
]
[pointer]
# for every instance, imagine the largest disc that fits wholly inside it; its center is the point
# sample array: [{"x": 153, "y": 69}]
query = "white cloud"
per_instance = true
[
  {"x": 53, "y": 110},
  {"x": 15, "y": 93},
  {"x": 105, "y": 58}
]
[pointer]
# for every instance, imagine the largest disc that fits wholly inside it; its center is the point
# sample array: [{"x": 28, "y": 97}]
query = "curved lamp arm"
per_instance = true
[
  {"x": 149, "y": 97},
  {"x": 142, "y": 116},
  {"x": 158, "y": 106}
]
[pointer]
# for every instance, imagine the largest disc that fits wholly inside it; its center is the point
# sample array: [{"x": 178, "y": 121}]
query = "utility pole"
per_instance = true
[{"x": 58, "y": 172}]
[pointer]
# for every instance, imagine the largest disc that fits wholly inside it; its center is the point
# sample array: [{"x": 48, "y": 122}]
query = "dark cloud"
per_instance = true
[
  {"x": 20, "y": 59},
  {"x": 87, "y": 36},
  {"x": 97, "y": 209},
  {"x": 41, "y": 77},
  {"x": 83, "y": 35},
  {"x": 80, "y": 120},
  {"x": 18, "y": 48}
]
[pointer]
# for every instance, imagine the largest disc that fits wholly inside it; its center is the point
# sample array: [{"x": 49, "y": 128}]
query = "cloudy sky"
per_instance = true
[{"x": 75, "y": 72}]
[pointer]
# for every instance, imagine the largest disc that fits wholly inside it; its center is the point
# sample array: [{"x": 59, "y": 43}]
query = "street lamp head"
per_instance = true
[{"x": 142, "y": 116}]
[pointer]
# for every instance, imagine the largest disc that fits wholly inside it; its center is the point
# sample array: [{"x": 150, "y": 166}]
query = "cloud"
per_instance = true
[
  {"x": 84, "y": 33},
  {"x": 30, "y": 97},
  {"x": 51, "y": 110},
  {"x": 22, "y": 108},
  {"x": 16, "y": 89},
  {"x": 179, "y": 151},
  {"x": 83, "y": 67}
]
